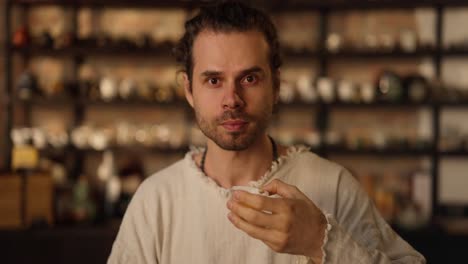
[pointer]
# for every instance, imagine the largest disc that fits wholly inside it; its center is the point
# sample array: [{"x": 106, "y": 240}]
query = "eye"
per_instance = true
[
  {"x": 213, "y": 81},
  {"x": 250, "y": 79}
]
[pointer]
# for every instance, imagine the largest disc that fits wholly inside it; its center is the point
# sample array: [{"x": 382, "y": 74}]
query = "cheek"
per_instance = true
[
  {"x": 203, "y": 95},
  {"x": 208, "y": 102},
  {"x": 204, "y": 107},
  {"x": 261, "y": 98}
]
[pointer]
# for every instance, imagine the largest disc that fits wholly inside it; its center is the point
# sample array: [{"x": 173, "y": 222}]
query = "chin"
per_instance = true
[
  {"x": 233, "y": 146},
  {"x": 234, "y": 141}
]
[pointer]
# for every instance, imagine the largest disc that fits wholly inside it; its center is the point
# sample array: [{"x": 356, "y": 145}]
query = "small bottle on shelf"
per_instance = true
[
  {"x": 111, "y": 184},
  {"x": 416, "y": 88},
  {"x": 27, "y": 86},
  {"x": 389, "y": 87},
  {"x": 21, "y": 37}
]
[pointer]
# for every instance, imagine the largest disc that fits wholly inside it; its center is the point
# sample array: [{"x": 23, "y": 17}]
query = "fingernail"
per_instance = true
[
  {"x": 236, "y": 195},
  {"x": 229, "y": 204}
]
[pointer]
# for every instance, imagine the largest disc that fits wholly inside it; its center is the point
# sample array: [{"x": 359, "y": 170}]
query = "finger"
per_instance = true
[
  {"x": 266, "y": 235},
  {"x": 258, "y": 202},
  {"x": 277, "y": 246},
  {"x": 278, "y": 187},
  {"x": 254, "y": 217}
]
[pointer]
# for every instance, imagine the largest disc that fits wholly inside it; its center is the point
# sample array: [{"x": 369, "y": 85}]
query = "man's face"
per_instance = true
[{"x": 232, "y": 88}]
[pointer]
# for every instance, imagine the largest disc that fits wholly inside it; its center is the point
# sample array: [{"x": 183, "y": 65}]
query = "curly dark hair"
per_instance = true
[{"x": 230, "y": 16}]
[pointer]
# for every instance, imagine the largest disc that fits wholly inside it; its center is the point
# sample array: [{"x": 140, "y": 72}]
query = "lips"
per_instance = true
[{"x": 234, "y": 125}]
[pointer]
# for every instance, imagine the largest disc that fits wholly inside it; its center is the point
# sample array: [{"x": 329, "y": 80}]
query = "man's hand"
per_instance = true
[{"x": 295, "y": 225}]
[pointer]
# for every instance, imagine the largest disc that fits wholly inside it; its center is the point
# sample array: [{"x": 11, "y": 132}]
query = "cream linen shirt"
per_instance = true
[{"x": 179, "y": 215}]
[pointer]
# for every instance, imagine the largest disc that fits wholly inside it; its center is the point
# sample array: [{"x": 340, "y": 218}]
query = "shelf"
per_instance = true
[
  {"x": 337, "y": 104},
  {"x": 114, "y": 4},
  {"x": 93, "y": 244},
  {"x": 360, "y": 5},
  {"x": 139, "y": 148},
  {"x": 454, "y": 153},
  {"x": 77, "y": 244},
  {"x": 373, "y": 105},
  {"x": 455, "y": 52},
  {"x": 135, "y": 102},
  {"x": 378, "y": 152},
  {"x": 278, "y": 5},
  {"x": 68, "y": 101},
  {"x": 453, "y": 210},
  {"x": 327, "y": 149},
  {"x": 166, "y": 51},
  {"x": 47, "y": 101},
  {"x": 461, "y": 104},
  {"x": 49, "y": 151},
  {"x": 299, "y": 55},
  {"x": 376, "y": 54},
  {"x": 64, "y": 101},
  {"x": 297, "y": 104},
  {"x": 163, "y": 52}
]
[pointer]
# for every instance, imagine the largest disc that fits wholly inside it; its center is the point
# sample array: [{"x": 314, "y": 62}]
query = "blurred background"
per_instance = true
[{"x": 91, "y": 105}]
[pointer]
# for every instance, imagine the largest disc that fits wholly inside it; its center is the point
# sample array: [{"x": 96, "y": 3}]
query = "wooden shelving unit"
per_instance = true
[
  {"x": 92, "y": 244},
  {"x": 322, "y": 56}
]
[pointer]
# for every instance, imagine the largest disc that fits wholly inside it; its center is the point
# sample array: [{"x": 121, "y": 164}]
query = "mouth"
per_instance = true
[{"x": 235, "y": 125}]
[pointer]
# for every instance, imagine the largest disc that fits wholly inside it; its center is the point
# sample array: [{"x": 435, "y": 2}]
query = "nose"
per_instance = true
[{"x": 232, "y": 97}]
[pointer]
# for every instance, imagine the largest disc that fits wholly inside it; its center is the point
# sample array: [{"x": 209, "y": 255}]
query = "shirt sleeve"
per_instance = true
[
  {"x": 357, "y": 233},
  {"x": 120, "y": 255},
  {"x": 135, "y": 242}
]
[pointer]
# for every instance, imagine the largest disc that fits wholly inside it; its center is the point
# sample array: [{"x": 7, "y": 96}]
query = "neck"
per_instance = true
[{"x": 230, "y": 168}]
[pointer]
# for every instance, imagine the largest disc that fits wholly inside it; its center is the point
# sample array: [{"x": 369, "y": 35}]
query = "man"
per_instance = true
[{"x": 305, "y": 210}]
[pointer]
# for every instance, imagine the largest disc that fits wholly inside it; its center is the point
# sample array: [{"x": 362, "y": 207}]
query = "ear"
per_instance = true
[
  {"x": 277, "y": 86},
  {"x": 187, "y": 89}
]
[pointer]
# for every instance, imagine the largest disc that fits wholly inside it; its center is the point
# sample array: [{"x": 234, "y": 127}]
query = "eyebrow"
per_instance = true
[
  {"x": 251, "y": 70},
  {"x": 243, "y": 72}
]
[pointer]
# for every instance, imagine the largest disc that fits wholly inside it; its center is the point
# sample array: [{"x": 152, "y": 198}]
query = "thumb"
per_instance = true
[{"x": 278, "y": 187}]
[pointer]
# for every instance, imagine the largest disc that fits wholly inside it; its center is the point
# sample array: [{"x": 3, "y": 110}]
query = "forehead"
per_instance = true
[{"x": 229, "y": 51}]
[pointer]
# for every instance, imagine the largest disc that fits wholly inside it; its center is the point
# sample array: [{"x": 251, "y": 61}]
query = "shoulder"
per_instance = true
[
  {"x": 324, "y": 171},
  {"x": 153, "y": 196},
  {"x": 163, "y": 180},
  {"x": 151, "y": 211},
  {"x": 166, "y": 175},
  {"x": 311, "y": 166},
  {"x": 311, "y": 160},
  {"x": 315, "y": 176}
]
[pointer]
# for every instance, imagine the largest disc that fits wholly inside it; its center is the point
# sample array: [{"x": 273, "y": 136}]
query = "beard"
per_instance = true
[{"x": 235, "y": 141}]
